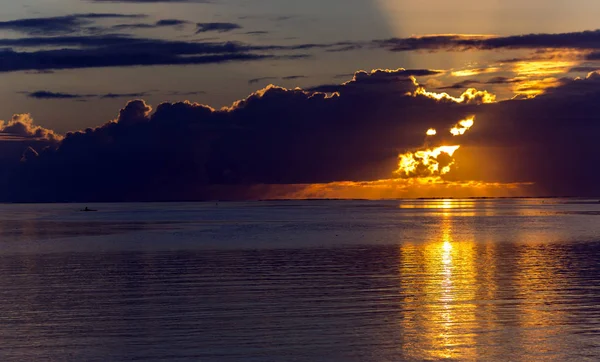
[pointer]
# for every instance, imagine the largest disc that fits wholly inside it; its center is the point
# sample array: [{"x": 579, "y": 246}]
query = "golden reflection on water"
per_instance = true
[
  {"x": 538, "y": 280},
  {"x": 438, "y": 204},
  {"x": 442, "y": 296},
  {"x": 457, "y": 294}
]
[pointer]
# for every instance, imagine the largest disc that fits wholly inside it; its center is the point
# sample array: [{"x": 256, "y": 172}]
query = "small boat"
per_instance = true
[{"x": 87, "y": 209}]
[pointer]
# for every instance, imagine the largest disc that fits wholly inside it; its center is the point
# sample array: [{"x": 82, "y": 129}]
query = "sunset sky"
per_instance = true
[{"x": 357, "y": 85}]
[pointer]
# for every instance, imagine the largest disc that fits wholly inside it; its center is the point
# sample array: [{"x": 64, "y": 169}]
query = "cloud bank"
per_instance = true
[{"x": 277, "y": 139}]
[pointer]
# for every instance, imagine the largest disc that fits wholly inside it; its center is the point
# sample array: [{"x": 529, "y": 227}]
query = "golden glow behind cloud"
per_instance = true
[
  {"x": 471, "y": 95},
  {"x": 475, "y": 71},
  {"x": 407, "y": 188},
  {"x": 462, "y": 126},
  {"x": 432, "y": 162},
  {"x": 536, "y": 75},
  {"x": 426, "y": 162}
]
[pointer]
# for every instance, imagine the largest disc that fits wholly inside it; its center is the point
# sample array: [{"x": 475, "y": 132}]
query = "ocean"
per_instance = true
[{"x": 322, "y": 280}]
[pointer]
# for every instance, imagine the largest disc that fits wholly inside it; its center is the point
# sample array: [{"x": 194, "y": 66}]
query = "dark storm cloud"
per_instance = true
[
  {"x": 59, "y": 25},
  {"x": 219, "y": 27},
  {"x": 550, "y": 140},
  {"x": 186, "y": 150},
  {"x": 279, "y": 136}
]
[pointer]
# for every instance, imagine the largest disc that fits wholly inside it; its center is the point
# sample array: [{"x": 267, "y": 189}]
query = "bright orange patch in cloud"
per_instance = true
[
  {"x": 534, "y": 87},
  {"x": 473, "y": 72},
  {"x": 462, "y": 126},
  {"x": 432, "y": 162},
  {"x": 425, "y": 162},
  {"x": 471, "y": 95},
  {"x": 537, "y": 75},
  {"x": 543, "y": 67},
  {"x": 408, "y": 188},
  {"x": 419, "y": 174}
]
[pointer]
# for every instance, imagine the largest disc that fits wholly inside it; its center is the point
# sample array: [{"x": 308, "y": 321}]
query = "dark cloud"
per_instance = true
[
  {"x": 124, "y": 95},
  {"x": 346, "y": 48},
  {"x": 42, "y": 94},
  {"x": 186, "y": 151},
  {"x": 574, "y": 40},
  {"x": 59, "y": 25},
  {"x": 53, "y": 95},
  {"x": 94, "y": 41},
  {"x": 503, "y": 80},
  {"x": 40, "y": 72},
  {"x": 219, "y": 27},
  {"x": 400, "y": 77},
  {"x": 122, "y": 50},
  {"x": 193, "y": 93},
  {"x": 584, "y": 69},
  {"x": 593, "y": 56},
  {"x": 158, "y": 24},
  {"x": 461, "y": 85},
  {"x": 257, "y": 32},
  {"x": 261, "y": 79},
  {"x": 472, "y": 82},
  {"x": 171, "y": 22},
  {"x": 292, "y": 77}
]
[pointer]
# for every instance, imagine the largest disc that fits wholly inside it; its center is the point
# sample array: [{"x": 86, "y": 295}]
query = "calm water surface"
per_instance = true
[{"x": 302, "y": 281}]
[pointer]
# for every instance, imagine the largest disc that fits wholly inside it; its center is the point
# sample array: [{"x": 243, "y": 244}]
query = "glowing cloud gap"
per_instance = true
[
  {"x": 432, "y": 163},
  {"x": 427, "y": 162},
  {"x": 473, "y": 72},
  {"x": 462, "y": 126},
  {"x": 470, "y": 96}
]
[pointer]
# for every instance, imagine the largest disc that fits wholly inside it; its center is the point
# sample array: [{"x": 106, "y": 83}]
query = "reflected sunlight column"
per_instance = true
[{"x": 439, "y": 279}]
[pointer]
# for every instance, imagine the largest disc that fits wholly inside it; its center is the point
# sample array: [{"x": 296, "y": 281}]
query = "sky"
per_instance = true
[{"x": 127, "y": 100}]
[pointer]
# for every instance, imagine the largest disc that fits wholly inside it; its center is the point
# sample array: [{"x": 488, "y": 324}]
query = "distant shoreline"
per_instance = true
[{"x": 307, "y": 199}]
